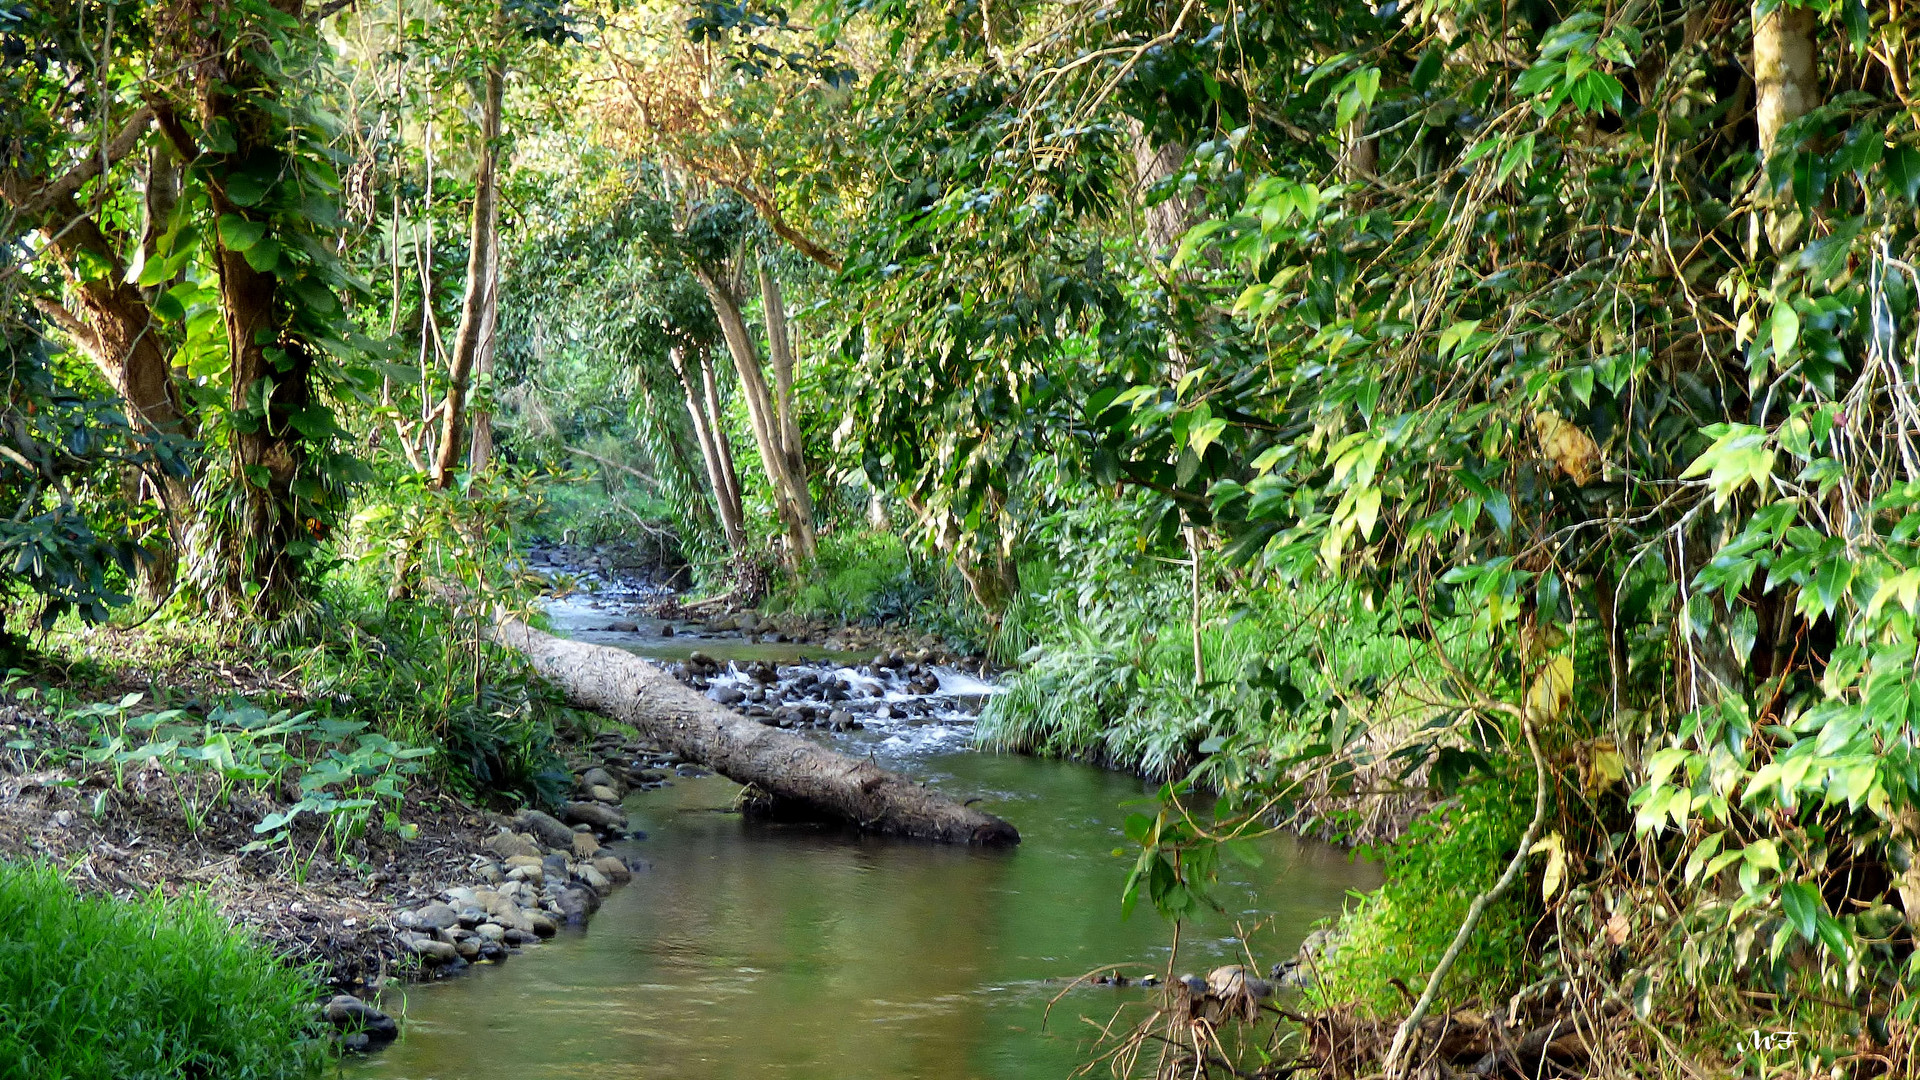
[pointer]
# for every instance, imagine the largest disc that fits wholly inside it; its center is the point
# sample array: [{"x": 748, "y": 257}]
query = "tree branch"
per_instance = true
[
  {"x": 68, "y": 321},
  {"x": 770, "y": 214},
  {"x": 35, "y": 204}
]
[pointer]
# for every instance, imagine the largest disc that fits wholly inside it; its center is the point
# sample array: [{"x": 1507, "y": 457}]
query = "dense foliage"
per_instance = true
[{"x": 1495, "y": 415}]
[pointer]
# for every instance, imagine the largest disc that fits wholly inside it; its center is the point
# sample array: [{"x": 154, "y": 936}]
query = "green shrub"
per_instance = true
[
  {"x": 1433, "y": 873},
  {"x": 868, "y": 577},
  {"x": 94, "y": 988}
]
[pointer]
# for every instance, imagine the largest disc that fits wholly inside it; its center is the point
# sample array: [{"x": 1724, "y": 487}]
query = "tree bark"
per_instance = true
[
  {"x": 1169, "y": 219},
  {"x": 717, "y": 427},
  {"x": 724, "y": 499},
  {"x": 480, "y": 441},
  {"x": 791, "y": 771},
  {"x": 481, "y": 254},
  {"x": 268, "y": 452},
  {"x": 1786, "y": 85},
  {"x": 790, "y": 499},
  {"x": 116, "y": 328},
  {"x": 1785, "y": 73},
  {"x": 780, "y": 353},
  {"x": 254, "y": 549}
]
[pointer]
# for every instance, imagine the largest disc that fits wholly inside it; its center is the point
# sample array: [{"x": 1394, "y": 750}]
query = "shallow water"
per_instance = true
[{"x": 802, "y": 952}]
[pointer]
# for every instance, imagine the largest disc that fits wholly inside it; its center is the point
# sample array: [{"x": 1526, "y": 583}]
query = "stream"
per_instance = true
[{"x": 751, "y": 949}]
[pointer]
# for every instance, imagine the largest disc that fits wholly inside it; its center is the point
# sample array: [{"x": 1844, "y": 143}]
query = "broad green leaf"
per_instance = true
[
  {"x": 239, "y": 234},
  {"x": 1785, "y": 326},
  {"x": 1903, "y": 173},
  {"x": 1801, "y": 903},
  {"x": 1206, "y": 433}
]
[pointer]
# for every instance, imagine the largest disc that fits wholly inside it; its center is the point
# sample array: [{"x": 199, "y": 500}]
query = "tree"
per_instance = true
[
  {"x": 78, "y": 125},
  {"x": 266, "y": 197}
]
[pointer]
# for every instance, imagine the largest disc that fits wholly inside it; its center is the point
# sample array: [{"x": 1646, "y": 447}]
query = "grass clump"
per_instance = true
[{"x": 95, "y": 988}]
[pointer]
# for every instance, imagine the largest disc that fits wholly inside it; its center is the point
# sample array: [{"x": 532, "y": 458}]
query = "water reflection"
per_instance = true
[{"x": 756, "y": 950}]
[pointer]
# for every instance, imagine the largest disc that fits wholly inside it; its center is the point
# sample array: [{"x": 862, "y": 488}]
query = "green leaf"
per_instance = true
[
  {"x": 1831, "y": 580},
  {"x": 263, "y": 255},
  {"x": 246, "y": 190},
  {"x": 1801, "y": 902},
  {"x": 1832, "y": 934},
  {"x": 1785, "y": 326},
  {"x": 239, "y": 234},
  {"x": 1206, "y": 433},
  {"x": 1426, "y": 70},
  {"x": 1903, "y": 173}
]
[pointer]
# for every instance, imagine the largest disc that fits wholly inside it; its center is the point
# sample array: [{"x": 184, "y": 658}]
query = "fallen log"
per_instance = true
[{"x": 792, "y": 771}]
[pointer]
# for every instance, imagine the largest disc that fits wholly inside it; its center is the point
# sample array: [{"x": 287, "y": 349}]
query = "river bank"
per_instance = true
[{"x": 95, "y": 779}]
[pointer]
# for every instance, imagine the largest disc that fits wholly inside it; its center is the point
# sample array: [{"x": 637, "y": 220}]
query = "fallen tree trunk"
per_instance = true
[{"x": 791, "y": 771}]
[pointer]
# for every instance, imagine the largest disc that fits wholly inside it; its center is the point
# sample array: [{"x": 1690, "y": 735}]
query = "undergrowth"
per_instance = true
[
  {"x": 1393, "y": 936},
  {"x": 866, "y": 577},
  {"x": 95, "y": 989}
]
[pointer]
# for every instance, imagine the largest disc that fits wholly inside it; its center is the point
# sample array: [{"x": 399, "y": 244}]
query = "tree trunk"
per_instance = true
[
  {"x": 792, "y": 773},
  {"x": 1785, "y": 74},
  {"x": 160, "y": 549},
  {"x": 724, "y": 500},
  {"x": 1786, "y": 86},
  {"x": 789, "y": 495},
  {"x": 116, "y": 328},
  {"x": 1169, "y": 219},
  {"x": 780, "y": 352},
  {"x": 480, "y": 442},
  {"x": 271, "y": 384},
  {"x": 717, "y": 427},
  {"x": 481, "y": 254}
]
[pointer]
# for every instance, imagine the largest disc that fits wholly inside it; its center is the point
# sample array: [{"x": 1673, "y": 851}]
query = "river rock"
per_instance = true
[
  {"x": 545, "y": 828},
  {"x": 362, "y": 1026},
  {"x": 598, "y": 816},
  {"x": 519, "y": 861},
  {"x": 577, "y": 903},
  {"x": 491, "y": 932},
  {"x": 542, "y": 923},
  {"x": 432, "y": 951},
  {"x": 603, "y": 793},
  {"x": 505, "y": 915},
  {"x": 532, "y": 874},
  {"x": 1234, "y": 980},
  {"x": 595, "y": 777},
  {"x": 469, "y": 949},
  {"x": 624, "y": 626},
  {"x": 516, "y": 937},
  {"x": 728, "y": 695},
  {"x": 585, "y": 845},
  {"x": 505, "y": 845},
  {"x": 436, "y": 917},
  {"x": 615, "y": 870},
  {"x": 595, "y": 880}
]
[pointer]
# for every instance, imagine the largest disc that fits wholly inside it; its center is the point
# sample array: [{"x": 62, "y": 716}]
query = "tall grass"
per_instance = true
[{"x": 94, "y": 989}]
